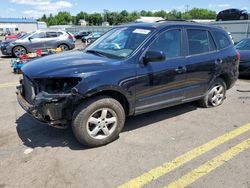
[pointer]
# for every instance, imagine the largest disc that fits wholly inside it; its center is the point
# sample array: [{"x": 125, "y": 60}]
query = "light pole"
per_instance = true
[
  {"x": 248, "y": 20},
  {"x": 105, "y": 15}
]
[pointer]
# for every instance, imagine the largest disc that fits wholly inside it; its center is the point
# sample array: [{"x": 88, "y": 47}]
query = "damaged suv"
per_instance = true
[{"x": 130, "y": 70}]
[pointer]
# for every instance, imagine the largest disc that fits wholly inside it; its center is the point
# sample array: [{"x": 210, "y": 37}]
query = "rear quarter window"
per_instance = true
[{"x": 222, "y": 39}]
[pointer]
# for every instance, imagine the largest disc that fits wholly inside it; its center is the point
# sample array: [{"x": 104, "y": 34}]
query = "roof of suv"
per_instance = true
[{"x": 165, "y": 23}]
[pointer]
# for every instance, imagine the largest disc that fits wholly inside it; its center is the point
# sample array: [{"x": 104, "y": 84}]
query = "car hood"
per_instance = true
[
  {"x": 67, "y": 64},
  {"x": 244, "y": 55}
]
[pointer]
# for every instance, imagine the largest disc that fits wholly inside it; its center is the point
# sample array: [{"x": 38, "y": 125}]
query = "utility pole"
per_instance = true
[
  {"x": 248, "y": 20},
  {"x": 105, "y": 15},
  {"x": 187, "y": 7}
]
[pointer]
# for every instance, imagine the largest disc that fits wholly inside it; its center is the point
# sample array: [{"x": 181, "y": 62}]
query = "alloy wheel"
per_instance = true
[
  {"x": 64, "y": 47},
  {"x": 19, "y": 51},
  {"x": 216, "y": 95},
  {"x": 102, "y": 123}
]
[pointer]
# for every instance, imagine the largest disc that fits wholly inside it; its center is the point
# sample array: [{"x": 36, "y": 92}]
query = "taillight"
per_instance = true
[
  {"x": 70, "y": 37},
  {"x": 238, "y": 56}
]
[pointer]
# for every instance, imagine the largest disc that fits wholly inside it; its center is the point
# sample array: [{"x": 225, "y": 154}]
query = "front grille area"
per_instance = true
[{"x": 28, "y": 90}]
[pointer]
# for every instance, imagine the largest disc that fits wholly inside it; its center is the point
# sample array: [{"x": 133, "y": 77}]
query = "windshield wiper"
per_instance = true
[{"x": 97, "y": 53}]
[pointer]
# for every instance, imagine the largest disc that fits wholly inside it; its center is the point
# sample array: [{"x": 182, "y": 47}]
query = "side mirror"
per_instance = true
[
  {"x": 152, "y": 56},
  {"x": 30, "y": 38}
]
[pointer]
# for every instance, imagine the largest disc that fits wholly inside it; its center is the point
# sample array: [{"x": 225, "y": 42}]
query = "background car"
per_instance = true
[
  {"x": 91, "y": 37},
  {"x": 231, "y": 37},
  {"x": 243, "y": 48},
  {"x": 232, "y": 14},
  {"x": 7, "y": 37},
  {"x": 43, "y": 40},
  {"x": 81, "y": 34}
]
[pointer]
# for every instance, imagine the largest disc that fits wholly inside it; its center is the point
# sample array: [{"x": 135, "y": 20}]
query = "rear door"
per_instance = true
[
  {"x": 234, "y": 14},
  {"x": 201, "y": 60},
  {"x": 51, "y": 39}
]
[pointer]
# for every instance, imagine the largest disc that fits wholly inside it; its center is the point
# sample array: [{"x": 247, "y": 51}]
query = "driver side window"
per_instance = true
[{"x": 169, "y": 43}]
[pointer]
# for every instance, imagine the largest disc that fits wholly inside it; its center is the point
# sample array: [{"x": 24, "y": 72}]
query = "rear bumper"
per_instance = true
[
  {"x": 52, "y": 109},
  {"x": 244, "y": 69},
  {"x": 72, "y": 45}
]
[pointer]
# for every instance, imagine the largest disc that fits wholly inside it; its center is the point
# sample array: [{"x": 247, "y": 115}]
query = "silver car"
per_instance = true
[{"x": 43, "y": 40}]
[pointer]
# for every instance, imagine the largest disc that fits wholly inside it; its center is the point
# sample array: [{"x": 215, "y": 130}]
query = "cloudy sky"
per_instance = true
[{"x": 36, "y": 8}]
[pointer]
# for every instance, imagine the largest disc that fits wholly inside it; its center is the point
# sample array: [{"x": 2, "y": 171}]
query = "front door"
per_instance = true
[
  {"x": 37, "y": 41},
  {"x": 159, "y": 84}
]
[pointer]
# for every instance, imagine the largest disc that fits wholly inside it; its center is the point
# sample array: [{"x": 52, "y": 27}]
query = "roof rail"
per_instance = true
[{"x": 175, "y": 20}]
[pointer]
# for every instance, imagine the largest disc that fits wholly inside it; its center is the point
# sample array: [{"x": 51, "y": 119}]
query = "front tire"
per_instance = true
[
  {"x": 18, "y": 51},
  {"x": 98, "y": 121},
  {"x": 215, "y": 95}
]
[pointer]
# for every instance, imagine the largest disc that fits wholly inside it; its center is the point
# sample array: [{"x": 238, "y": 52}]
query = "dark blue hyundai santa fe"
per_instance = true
[{"x": 130, "y": 70}]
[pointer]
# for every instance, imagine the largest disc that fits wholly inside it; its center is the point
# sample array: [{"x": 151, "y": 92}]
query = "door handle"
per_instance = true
[{"x": 180, "y": 70}]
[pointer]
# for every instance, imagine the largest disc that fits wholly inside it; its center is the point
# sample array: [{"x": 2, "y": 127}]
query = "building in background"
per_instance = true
[
  {"x": 83, "y": 22},
  {"x": 41, "y": 25},
  {"x": 16, "y": 25},
  {"x": 105, "y": 24}
]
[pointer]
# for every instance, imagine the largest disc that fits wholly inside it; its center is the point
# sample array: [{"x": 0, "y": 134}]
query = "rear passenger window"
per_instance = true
[
  {"x": 51, "y": 34},
  {"x": 169, "y": 43},
  {"x": 222, "y": 40},
  {"x": 197, "y": 41}
]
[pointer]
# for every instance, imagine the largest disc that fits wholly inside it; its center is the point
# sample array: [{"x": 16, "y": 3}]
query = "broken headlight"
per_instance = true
[{"x": 57, "y": 85}]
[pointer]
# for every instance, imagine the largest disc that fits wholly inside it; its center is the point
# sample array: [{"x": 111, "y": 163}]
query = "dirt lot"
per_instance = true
[{"x": 154, "y": 150}]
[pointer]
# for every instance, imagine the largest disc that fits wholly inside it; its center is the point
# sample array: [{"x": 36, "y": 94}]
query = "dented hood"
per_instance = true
[{"x": 66, "y": 64}]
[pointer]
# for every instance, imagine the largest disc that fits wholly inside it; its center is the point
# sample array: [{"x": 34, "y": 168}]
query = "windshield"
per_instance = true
[
  {"x": 25, "y": 35},
  {"x": 119, "y": 42},
  {"x": 243, "y": 45}
]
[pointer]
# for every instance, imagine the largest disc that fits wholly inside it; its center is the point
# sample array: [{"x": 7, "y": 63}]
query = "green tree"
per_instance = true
[
  {"x": 81, "y": 15},
  {"x": 63, "y": 18},
  {"x": 95, "y": 19},
  {"x": 115, "y": 18}
]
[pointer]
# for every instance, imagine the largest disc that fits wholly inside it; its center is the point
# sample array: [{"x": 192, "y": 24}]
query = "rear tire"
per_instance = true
[
  {"x": 64, "y": 47},
  {"x": 215, "y": 95},
  {"x": 242, "y": 17},
  {"x": 98, "y": 121}
]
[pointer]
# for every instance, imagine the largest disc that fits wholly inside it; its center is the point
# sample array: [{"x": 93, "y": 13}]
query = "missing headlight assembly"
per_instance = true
[
  {"x": 49, "y": 100},
  {"x": 57, "y": 85}
]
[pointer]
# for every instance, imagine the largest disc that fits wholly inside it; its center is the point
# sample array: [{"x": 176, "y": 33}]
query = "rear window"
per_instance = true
[
  {"x": 51, "y": 34},
  {"x": 197, "y": 41},
  {"x": 221, "y": 39}
]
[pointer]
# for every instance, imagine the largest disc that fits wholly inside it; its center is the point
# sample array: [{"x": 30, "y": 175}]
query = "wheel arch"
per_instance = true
[
  {"x": 63, "y": 44},
  {"x": 115, "y": 94},
  {"x": 17, "y": 46},
  {"x": 225, "y": 77}
]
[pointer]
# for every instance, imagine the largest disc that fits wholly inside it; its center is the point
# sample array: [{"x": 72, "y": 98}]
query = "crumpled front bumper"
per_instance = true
[
  {"x": 53, "y": 109},
  {"x": 5, "y": 50}
]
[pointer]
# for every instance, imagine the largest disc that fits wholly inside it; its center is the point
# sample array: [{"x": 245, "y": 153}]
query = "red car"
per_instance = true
[{"x": 14, "y": 36}]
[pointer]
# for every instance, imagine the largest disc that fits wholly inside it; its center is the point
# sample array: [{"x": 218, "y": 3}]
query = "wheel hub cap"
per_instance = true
[
  {"x": 216, "y": 95},
  {"x": 102, "y": 123}
]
